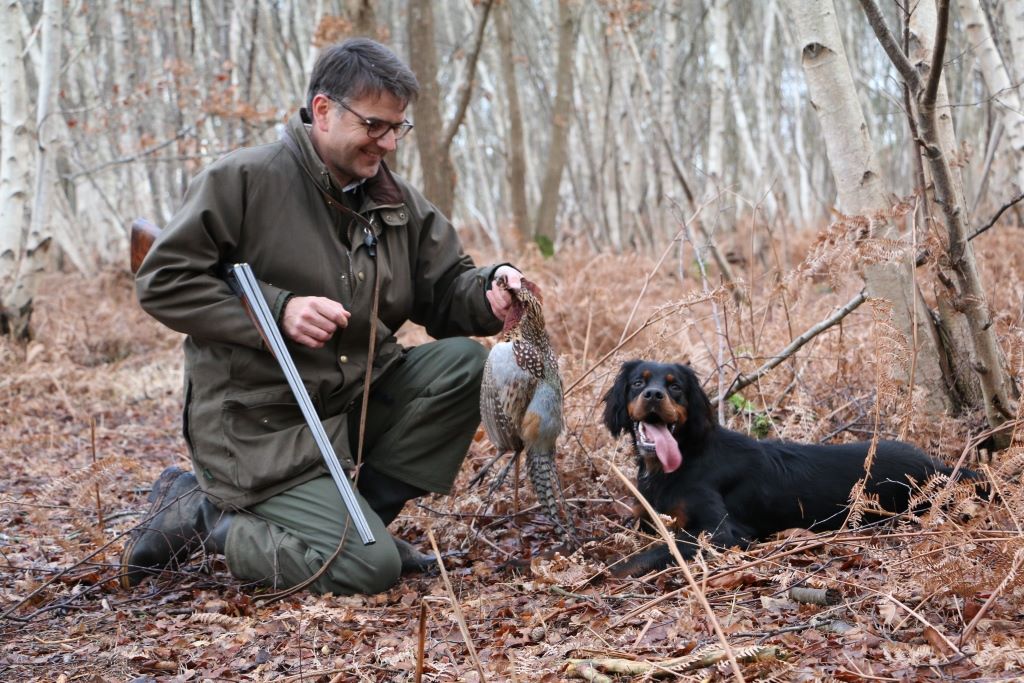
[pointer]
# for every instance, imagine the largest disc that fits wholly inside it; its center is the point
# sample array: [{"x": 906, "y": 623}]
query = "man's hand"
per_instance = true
[
  {"x": 312, "y": 320},
  {"x": 498, "y": 298}
]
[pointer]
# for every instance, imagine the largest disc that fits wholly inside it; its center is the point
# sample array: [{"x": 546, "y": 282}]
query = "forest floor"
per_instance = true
[{"x": 90, "y": 415}]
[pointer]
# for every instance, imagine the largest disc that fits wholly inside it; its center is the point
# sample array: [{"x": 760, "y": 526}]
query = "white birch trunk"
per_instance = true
[
  {"x": 1013, "y": 18},
  {"x": 15, "y": 165},
  {"x": 718, "y": 72},
  {"x": 1004, "y": 95},
  {"x": 668, "y": 107},
  {"x": 858, "y": 182}
]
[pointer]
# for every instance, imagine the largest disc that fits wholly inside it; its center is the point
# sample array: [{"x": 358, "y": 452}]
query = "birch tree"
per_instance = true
[
  {"x": 861, "y": 192},
  {"x": 21, "y": 249},
  {"x": 1004, "y": 95},
  {"x": 964, "y": 287}
]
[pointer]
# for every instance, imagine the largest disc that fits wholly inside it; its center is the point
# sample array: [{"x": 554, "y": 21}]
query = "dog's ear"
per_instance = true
[
  {"x": 700, "y": 419},
  {"x": 616, "y": 414}
]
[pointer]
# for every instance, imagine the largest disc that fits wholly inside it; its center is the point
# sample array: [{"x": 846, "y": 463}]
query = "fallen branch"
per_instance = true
[
  {"x": 588, "y": 669},
  {"x": 795, "y": 345},
  {"x": 815, "y": 596}
]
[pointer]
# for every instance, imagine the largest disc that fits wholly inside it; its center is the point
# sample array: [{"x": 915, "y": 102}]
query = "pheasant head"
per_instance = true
[{"x": 525, "y": 316}]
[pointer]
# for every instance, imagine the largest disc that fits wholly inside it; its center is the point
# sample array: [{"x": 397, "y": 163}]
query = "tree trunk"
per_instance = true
[
  {"x": 15, "y": 176},
  {"x": 718, "y": 72},
  {"x": 438, "y": 170},
  {"x": 997, "y": 79},
  {"x": 851, "y": 156},
  {"x": 966, "y": 293},
  {"x": 516, "y": 158},
  {"x": 545, "y": 231},
  {"x": 922, "y": 24}
]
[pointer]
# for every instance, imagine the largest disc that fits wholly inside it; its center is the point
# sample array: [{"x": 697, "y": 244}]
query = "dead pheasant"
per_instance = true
[{"x": 521, "y": 401}]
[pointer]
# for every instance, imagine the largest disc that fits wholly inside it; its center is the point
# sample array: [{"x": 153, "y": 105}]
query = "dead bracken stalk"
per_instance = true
[
  {"x": 456, "y": 607},
  {"x": 669, "y": 539}
]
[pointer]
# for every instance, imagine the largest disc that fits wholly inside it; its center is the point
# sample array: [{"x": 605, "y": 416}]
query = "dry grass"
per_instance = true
[{"x": 90, "y": 416}]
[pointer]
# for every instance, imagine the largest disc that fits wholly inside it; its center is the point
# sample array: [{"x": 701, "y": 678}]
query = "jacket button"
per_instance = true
[
  {"x": 342, "y": 359},
  {"x": 360, "y": 276}
]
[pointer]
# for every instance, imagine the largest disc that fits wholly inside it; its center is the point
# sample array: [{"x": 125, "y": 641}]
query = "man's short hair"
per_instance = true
[{"x": 358, "y": 67}]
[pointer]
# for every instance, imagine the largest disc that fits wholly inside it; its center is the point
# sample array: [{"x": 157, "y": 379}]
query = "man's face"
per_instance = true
[{"x": 341, "y": 139}]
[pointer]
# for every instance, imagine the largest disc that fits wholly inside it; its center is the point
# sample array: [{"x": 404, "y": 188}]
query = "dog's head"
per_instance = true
[{"x": 664, "y": 408}]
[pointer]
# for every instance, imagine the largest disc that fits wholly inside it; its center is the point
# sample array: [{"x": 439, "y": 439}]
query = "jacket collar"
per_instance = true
[{"x": 380, "y": 190}]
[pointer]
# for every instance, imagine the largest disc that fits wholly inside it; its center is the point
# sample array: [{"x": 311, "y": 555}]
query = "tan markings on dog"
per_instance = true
[
  {"x": 679, "y": 517},
  {"x": 639, "y": 512},
  {"x": 637, "y": 409},
  {"x": 667, "y": 410},
  {"x": 646, "y": 374},
  {"x": 669, "y": 379},
  {"x": 531, "y": 427}
]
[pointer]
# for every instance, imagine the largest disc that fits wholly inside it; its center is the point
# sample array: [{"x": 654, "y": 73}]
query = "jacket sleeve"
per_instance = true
[
  {"x": 180, "y": 282},
  {"x": 449, "y": 289}
]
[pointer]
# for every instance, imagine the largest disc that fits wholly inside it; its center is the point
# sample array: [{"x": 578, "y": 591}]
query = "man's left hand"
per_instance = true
[{"x": 499, "y": 299}]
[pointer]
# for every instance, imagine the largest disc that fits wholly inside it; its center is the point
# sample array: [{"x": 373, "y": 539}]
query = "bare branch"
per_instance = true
[
  {"x": 999, "y": 213},
  {"x": 889, "y": 44},
  {"x": 745, "y": 380},
  {"x": 467, "y": 88},
  {"x": 935, "y": 71}
]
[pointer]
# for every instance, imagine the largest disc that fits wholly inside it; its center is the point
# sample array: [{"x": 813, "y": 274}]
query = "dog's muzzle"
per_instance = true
[{"x": 657, "y": 440}]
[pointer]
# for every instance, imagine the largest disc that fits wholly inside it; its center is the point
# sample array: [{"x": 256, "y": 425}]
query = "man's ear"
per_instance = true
[
  {"x": 616, "y": 413},
  {"x": 320, "y": 110}
]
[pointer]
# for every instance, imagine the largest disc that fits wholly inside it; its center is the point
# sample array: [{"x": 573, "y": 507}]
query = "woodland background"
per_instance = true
[{"x": 713, "y": 181}]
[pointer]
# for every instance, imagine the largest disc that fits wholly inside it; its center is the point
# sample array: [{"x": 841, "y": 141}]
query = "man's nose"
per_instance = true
[{"x": 388, "y": 141}]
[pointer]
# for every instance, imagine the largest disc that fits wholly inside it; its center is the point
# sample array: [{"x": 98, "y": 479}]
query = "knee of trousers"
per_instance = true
[
  {"x": 268, "y": 555},
  {"x": 461, "y": 359},
  {"x": 363, "y": 570}
]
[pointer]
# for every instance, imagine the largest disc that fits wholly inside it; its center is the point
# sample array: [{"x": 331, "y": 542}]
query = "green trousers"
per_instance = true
[{"x": 421, "y": 418}]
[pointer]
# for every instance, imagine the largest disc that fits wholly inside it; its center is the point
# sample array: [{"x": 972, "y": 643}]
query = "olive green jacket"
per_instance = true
[{"x": 258, "y": 205}]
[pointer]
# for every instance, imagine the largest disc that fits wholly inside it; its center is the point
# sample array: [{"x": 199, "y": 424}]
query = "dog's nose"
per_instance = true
[{"x": 654, "y": 394}]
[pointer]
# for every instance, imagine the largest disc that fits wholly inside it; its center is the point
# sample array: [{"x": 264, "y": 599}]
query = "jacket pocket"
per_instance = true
[{"x": 267, "y": 437}]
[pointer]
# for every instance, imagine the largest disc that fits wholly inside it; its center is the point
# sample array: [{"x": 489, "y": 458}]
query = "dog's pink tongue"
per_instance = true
[{"x": 665, "y": 446}]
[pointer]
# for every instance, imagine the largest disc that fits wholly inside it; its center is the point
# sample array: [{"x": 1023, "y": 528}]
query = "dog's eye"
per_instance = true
[
  {"x": 675, "y": 389},
  {"x": 637, "y": 383}
]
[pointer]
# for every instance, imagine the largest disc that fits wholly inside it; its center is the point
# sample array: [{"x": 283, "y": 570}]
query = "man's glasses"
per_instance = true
[{"x": 376, "y": 128}]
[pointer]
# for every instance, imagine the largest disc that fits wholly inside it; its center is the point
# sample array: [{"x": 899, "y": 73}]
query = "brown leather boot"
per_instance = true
[{"x": 181, "y": 520}]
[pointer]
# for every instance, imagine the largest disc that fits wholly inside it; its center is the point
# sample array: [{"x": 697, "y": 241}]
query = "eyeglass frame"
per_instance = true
[{"x": 399, "y": 129}]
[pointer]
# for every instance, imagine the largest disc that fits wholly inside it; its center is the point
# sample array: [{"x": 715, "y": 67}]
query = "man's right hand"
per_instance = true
[{"x": 312, "y": 320}]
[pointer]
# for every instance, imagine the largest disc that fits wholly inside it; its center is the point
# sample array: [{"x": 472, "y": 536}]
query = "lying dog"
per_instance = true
[{"x": 733, "y": 487}]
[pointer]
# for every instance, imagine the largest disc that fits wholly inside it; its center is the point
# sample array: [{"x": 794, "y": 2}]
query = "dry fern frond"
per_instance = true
[
  {"x": 215, "y": 619},
  {"x": 79, "y": 487}
]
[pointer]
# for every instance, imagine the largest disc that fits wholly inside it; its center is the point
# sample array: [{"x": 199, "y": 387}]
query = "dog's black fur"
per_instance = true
[{"x": 735, "y": 488}]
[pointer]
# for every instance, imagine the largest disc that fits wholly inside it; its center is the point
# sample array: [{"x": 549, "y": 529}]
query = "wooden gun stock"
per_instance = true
[{"x": 143, "y": 234}]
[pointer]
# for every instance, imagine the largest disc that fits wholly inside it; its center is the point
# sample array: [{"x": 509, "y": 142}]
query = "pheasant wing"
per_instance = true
[{"x": 505, "y": 393}]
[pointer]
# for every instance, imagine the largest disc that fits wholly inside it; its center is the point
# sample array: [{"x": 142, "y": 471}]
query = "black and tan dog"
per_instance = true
[{"x": 735, "y": 488}]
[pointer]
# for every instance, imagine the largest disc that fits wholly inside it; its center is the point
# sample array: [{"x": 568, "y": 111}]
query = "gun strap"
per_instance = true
[{"x": 293, "y": 147}]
